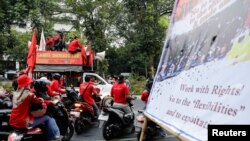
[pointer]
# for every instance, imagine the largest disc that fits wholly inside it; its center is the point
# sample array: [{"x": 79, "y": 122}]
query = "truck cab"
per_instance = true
[{"x": 100, "y": 83}]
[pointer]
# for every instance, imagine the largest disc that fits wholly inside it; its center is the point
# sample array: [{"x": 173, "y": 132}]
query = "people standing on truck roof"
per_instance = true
[
  {"x": 59, "y": 43},
  {"x": 50, "y": 43},
  {"x": 74, "y": 46},
  {"x": 86, "y": 91},
  {"x": 69, "y": 41},
  {"x": 55, "y": 88}
]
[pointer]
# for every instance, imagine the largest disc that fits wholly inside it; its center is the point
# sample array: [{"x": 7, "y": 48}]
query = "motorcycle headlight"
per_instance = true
[
  {"x": 128, "y": 117},
  {"x": 140, "y": 118},
  {"x": 77, "y": 105}
]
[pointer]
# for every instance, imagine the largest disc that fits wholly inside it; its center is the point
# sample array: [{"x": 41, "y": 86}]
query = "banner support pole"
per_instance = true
[{"x": 144, "y": 127}]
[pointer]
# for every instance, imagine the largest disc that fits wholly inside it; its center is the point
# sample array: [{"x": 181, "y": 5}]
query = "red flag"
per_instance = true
[
  {"x": 84, "y": 56},
  {"x": 31, "y": 59},
  {"x": 91, "y": 56}
]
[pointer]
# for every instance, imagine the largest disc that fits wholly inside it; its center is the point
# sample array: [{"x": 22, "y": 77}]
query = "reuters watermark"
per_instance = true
[{"x": 220, "y": 132}]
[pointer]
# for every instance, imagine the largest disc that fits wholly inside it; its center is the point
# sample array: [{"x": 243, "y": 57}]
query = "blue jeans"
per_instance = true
[
  {"x": 96, "y": 109},
  {"x": 52, "y": 129}
]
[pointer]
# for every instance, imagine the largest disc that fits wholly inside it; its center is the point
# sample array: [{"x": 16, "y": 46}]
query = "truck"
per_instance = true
[{"x": 71, "y": 67}]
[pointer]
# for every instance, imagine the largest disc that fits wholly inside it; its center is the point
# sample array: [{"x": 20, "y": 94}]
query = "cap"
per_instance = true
[{"x": 23, "y": 80}]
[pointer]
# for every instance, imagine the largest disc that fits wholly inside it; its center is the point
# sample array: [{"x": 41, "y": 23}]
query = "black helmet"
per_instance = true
[
  {"x": 56, "y": 76},
  {"x": 120, "y": 79},
  {"x": 40, "y": 86}
]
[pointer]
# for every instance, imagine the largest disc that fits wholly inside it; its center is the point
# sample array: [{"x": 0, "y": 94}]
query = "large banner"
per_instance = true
[
  {"x": 58, "y": 58},
  {"x": 203, "y": 75}
]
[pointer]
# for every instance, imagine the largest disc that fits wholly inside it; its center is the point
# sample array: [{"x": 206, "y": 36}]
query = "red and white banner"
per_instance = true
[{"x": 60, "y": 58}]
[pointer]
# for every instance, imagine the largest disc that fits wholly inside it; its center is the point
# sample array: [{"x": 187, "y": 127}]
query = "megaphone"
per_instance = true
[{"x": 100, "y": 56}]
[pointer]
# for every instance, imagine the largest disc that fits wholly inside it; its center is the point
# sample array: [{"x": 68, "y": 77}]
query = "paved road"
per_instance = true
[{"x": 93, "y": 133}]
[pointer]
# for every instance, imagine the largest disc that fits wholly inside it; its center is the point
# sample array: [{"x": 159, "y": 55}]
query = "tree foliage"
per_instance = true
[
  {"x": 137, "y": 27},
  {"x": 20, "y": 13},
  {"x": 132, "y": 32}
]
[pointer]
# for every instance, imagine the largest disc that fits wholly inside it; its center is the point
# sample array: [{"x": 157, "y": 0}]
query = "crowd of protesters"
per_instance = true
[{"x": 58, "y": 43}]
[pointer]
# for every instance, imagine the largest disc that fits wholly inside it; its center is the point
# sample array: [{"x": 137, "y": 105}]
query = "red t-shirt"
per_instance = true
[
  {"x": 144, "y": 96},
  {"x": 73, "y": 45},
  {"x": 50, "y": 92},
  {"x": 120, "y": 92},
  {"x": 87, "y": 94},
  {"x": 50, "y": 41},
  {"x": 20, "y": 116},
  {"x": 55, "y": 86}
]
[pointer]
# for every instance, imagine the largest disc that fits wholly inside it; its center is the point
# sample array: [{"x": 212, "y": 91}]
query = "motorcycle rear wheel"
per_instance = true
[
  {"x": 107, "y": 131},
  {"x": 79, "y": 126},
  {"x": 69, "y": 133},
  {"x": 111, "y": 129}
]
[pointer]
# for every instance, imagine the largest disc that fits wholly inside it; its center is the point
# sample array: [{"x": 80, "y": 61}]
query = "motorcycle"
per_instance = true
[
  {"x": 5, "y": 100},
  {"x": 113, "y": 120},
  {"x": 70, "y": 98},
  {"x": 56, "y": 110},
  {"x": 5, "y": 109},
  {"x": 84, "y": 113},
  {"x": 5, "y": 129},
  {"x": 152, "y": 130},
  {"x": 64, "y": 123}
]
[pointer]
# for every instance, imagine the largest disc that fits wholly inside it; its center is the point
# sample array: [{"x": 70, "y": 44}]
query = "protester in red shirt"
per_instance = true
[
  {"x": 50, "y": 43},
  {"x": 55, "y": 87},
  {"x": 120, "y": 93},
  {"x": 20, "y": 117},
  {"x": 59, "y": 43},
  {"x": 74, "y": 46},
  {"x": 86, "y": 91},
  {"x": 145, "y": 93}
]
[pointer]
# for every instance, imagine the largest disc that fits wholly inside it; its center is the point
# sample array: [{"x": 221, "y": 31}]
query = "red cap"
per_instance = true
[{"x": 23, "y": 81}]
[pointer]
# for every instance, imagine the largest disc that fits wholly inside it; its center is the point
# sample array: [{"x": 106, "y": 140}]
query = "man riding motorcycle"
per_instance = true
[
  {"x": 20, "y": 117},
  {"x": 55, "y": 86},
  {"x": 86, "y": 91},
  {"x": 120, "y": 93}
]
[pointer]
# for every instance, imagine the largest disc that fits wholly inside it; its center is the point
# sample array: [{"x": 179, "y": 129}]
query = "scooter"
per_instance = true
[
  {"x": 114, "y": 121},
  {"x": 5, "y": 128},
  {"x": 59, "y": 113},
  {"x": 83, "y": 113},
  {"x": 56, "y": 110},
  {"x": 5, "y": 109},
  {"x": 70, "y": 98},
  {"x": 152, "y": 130}
]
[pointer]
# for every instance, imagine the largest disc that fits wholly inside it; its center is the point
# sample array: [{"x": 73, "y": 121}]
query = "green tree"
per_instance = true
[
  {"x": 19, "y": 13},
  {"x": 137, "y": 27},
  {"x": 143, "y": 27},
  {"x": 94, "y": 21}
]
